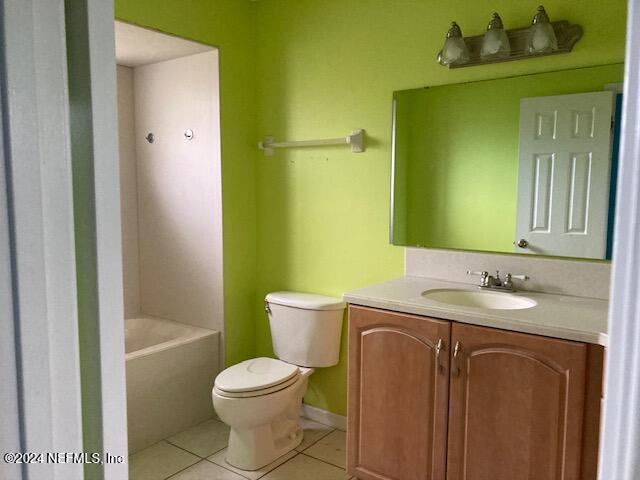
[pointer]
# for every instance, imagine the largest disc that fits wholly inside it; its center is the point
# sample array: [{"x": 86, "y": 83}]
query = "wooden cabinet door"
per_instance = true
[
  {"x": 398, "y": 388},
  {"x": 515, "y": 407}
]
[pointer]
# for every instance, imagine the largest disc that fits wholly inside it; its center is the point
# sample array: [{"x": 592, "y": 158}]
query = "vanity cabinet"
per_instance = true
[
  {"x": 398, "y": 390},
  {"x": 432, "y": 399},
  {"x": 516, "y": 405}
]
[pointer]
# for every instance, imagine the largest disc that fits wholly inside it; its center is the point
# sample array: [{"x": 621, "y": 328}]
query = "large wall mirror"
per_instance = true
[{"x": 515, "y": 165}]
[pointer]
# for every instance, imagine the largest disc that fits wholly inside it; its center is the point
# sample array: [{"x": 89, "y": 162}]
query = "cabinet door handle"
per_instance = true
[
  {"x": 439, "y": 349},
  {"x": 456, "y": 353}
]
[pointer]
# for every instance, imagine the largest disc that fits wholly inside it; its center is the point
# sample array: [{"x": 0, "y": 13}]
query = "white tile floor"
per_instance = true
[{"x": 198, "y": 454}]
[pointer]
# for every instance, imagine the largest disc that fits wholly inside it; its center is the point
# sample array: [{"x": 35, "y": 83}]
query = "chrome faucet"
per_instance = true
[{"x": 489, "y": 282}]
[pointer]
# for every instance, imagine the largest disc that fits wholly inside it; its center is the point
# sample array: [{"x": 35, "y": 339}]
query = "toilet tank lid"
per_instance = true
[{"x": 307, "y": 301}]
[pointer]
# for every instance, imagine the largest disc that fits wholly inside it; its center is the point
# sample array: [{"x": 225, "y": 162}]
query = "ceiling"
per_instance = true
[{"x": 137, "y": 46}]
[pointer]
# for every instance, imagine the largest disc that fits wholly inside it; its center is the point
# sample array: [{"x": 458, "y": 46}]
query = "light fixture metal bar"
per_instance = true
[{"x": 567, "y": 35}]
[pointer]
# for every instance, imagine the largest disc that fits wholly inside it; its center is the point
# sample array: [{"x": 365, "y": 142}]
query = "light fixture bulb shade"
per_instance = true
[
  {"x": 495, "y": 44},
  {"x": 542, "y": 38},
  {"x": 455, "y": 49}
]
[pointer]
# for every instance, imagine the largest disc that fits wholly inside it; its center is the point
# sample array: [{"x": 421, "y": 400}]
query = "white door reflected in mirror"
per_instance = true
[{"x": 564, "y": 174}]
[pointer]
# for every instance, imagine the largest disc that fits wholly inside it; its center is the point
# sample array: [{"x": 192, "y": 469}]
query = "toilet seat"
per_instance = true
[
  {"x": 258, "y": 376},
  {"x": 256, "y": 393}
]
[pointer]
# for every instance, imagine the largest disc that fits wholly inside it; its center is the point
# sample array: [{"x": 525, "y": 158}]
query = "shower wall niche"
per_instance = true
[{"x": 170, "y": 189}]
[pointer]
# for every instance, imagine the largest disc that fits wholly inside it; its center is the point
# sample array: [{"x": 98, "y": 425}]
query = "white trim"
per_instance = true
[
  {"x": 97, "y": 191},
  {"x": 9, "y": 393},
  {"x": 37, "y": 171},
  {"x": 323, "y": 416},
  {"x": 620, "y": 455}
]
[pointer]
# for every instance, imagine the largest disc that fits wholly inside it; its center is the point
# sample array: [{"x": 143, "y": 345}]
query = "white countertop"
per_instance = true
[{"x": 571, "y": 318}]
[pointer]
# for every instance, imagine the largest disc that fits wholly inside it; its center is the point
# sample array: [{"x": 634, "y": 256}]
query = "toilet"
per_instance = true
[{"x": 260, "y": 399}]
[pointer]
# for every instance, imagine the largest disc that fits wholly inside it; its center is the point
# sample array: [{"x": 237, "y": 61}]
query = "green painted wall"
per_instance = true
[
  {"x": 458, "y": 146},
  {"x": 328, "y": 66},
  {"x": 228, "y": 25},
  {"x": 317, "y": 219}
]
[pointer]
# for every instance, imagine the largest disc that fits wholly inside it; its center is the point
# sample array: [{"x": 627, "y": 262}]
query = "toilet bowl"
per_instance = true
[
  {"x": 260, "y": 398},
  {"x": 265, "y": 422}
]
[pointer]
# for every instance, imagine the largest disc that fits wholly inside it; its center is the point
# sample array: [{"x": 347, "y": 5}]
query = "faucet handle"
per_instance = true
[
  {"x": 508, "y": 283},
  {"x": 518, "y": 277},
  {"x": 484, "y": 277},
  {"x": 482, "y": 274}
]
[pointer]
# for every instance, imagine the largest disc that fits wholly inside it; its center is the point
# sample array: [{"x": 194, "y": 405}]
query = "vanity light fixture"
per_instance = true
[
  {"x": 541, "y": 38},
  {"x": 495, "y": 43},
  {"x": 454, "y": 51}
]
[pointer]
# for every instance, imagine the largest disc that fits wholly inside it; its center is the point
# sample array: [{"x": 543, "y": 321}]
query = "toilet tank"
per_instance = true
[{"x": 305, "y": 327}]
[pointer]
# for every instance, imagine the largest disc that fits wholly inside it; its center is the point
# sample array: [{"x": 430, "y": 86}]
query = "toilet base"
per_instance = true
[
  {"x": 253, "y": 449},
  {"x": 264, "y": 427}
]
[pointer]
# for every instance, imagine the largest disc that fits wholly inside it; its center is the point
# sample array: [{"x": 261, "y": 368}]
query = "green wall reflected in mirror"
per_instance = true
[{"x": 456, "y": 159}]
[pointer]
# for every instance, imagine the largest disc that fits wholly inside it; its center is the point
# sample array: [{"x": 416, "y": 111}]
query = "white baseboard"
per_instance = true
[{"x": 323, "y": 416}]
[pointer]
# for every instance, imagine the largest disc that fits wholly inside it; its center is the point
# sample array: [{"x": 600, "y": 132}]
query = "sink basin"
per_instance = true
[{"x": 479, "y": 299}]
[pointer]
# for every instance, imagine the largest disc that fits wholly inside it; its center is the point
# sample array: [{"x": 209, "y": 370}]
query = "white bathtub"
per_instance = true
[{"x": 170, "y": 371}]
